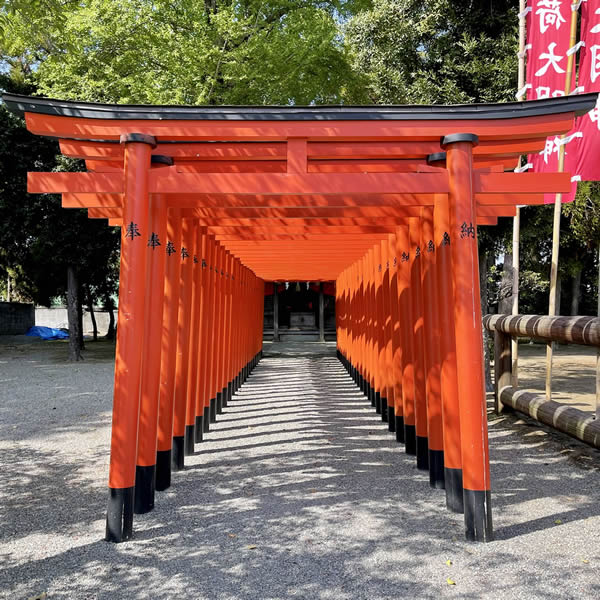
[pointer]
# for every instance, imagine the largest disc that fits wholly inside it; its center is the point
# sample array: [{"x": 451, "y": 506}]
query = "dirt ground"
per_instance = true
[{"x": 573, "y": 373}]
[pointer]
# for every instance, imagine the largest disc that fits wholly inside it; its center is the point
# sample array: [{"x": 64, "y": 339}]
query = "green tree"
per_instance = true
[
  {"x": 187, "y": 51},
  {"x": 436, "y": 51},
  {"x": 42, "y": 242},
  {"x": 579, "y": 239}
]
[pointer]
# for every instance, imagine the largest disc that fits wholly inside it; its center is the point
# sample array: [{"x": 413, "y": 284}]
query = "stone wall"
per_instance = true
[
  {"x": 56, "y": 317},
  {"x": 16, "y": 318}
]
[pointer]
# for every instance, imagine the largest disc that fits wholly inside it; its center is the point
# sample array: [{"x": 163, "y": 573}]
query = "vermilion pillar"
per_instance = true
[
  {"x": 227, "y": 349},
  {"x": 447, "y": 345},
  {"x": 194, "y": 339},
  {"x": 145, "y": 473},
  {"x": 379, "y": 349},
  {"x": 387, "y": 334},
  {"x": 371, "y": 326},
  {"x": 469, "y": 344},
  {"x": 201, "y": 400},
  {"x": 396, "y": 345},
  {"x": 130, "y": 337},
  {"x": 183, "y": 336},
  {"x": 356, "y": 322},
  {"x": 212, "y": 358},
  {"x": 230, "y": 319},
  {"x": 360, "y": 318},
  {"x": 432, "y": 354},
  {"x": 219, "y": 343},
  {"x": 168, "y": 350},
  {"x": 406, "y": 339},
  {"x": 416, "y": 295},
  {"x": 208, "y": 341}
]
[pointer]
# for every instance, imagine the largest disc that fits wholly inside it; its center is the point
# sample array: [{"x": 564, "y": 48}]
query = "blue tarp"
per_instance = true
[{"x": 47, "y": 333}]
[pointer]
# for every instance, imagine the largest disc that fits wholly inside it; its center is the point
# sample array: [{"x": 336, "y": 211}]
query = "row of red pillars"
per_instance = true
[
  {"x": 189, "y": 333},
  {"x": 410, "y": 334}
]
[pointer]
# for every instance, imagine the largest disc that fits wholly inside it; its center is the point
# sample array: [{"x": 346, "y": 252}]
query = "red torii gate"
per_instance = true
[{"x": 384, "y": 200}]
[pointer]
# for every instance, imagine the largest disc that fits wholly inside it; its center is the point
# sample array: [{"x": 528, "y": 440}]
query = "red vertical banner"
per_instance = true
[
  {"x": 548, "y": 33},
  {"x": 583, "y": 149}
]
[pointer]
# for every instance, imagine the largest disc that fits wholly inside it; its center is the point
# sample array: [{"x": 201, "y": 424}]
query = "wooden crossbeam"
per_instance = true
[
  {"x": 168, "y": 181},
  {"x": 233, "y": 203},
  {"x": 268, "y": 151}
]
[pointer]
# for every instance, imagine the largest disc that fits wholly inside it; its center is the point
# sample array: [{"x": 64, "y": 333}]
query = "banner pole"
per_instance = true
[
  {"x": 557, "y": 206},
  {"x": 597, "y": 412},
  {"x": 517, "y": 218}
]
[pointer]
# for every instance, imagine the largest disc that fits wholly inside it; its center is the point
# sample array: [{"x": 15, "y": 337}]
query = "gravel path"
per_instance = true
[{"x": 298, "y": 492}]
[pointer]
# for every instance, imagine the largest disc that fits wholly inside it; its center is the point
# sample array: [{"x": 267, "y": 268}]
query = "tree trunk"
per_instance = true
[
  {"x": 92, "y": 314},
  {"x": 483, "y": 288},
  {"x": 110, "y": 308},
  {"x": 576, "y": 292},
  {"x": 73, "y": 315},
  {"x": 80, "y": 316},
  {"x": 8, "y": 286},
  {"x": 505, "y": 303}
]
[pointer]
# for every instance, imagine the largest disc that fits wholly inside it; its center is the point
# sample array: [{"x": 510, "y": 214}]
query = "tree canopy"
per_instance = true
[
  {"x": 187, "y": 51},
  {"x": 436, "y": 51}
]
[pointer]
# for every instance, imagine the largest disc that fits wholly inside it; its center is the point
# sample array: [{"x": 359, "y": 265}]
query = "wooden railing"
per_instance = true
[{"x": 571, "y": 330}]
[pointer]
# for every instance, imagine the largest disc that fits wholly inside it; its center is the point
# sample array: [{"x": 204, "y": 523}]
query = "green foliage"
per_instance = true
[
  {"x": 436, "y": 51},
  {"x": 39, "y": 237},
  {"x": 583, "y": 215},
  {"x": 188, "y": 51}
]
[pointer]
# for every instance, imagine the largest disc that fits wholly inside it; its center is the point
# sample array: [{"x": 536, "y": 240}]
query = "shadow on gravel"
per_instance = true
[{"x": 323, "y": 506}]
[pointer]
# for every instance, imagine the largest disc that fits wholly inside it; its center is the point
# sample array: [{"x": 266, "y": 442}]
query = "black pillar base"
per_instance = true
[
  {"x": 384, "y": 410},
  {"x": 378, "y": 402},
  {"x": 119, "y": 516},
  {"x": 145, "y": 482},
  {"x": 163, "y": 470},
  {"x": 436, "y": 469},
  {"x": 199, "y": 429},
  {"x": 177, "y": 456},
  {"x": 213, "y": 410},
  {"x": 478, "y": 516},
  {"x": 219, "y": 403},
  {"x": 225, "y": 395},
  {"x": 400, "y": 430},
  {"x": 372, "y": 395},
  {"x": 391, "y": 419},
  {"x": 206, "y": 419},
  {"x": 422, "y": 453},
  {"x": 410, "y": 439},
  {"x": 454, "y": 490},
  {"x": 230, "y": 392},
  {"x": 189, "y": 440}
]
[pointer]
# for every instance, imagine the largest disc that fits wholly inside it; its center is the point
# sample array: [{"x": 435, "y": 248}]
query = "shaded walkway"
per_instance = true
[{"x": 301, "y": 492}]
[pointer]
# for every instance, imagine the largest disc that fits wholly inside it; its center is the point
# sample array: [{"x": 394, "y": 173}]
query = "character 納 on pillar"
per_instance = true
[{"x": 469, "y": 339}]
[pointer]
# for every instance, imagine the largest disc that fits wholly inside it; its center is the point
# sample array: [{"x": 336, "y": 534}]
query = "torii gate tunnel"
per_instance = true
[{"x": 214, "y": 201}]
